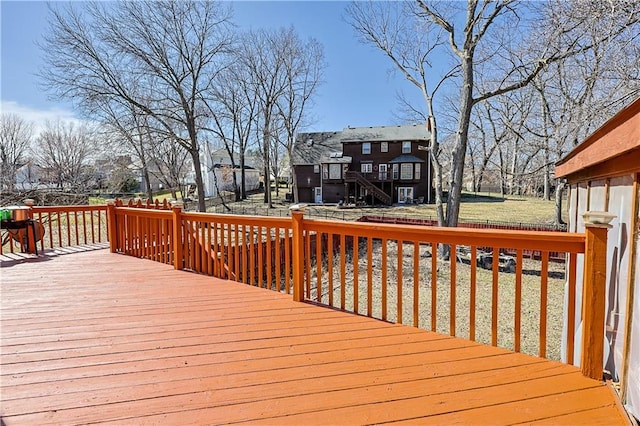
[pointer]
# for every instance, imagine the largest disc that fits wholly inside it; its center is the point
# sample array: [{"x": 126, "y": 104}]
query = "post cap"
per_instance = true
[
  {"x": 29, "y": 202},
  {"x": 597, "y": 218},
  {"x": 110, "y": 202},
  {"x": 298, "y": 207},
  {"x": 176, "y": 203}
]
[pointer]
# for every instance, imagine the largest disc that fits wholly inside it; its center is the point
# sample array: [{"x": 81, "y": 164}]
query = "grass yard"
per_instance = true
[{"x": 474, "y": 208}]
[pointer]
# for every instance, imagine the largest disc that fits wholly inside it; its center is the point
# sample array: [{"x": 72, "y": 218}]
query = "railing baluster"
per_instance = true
[
  {"x": 217, "y": 271},
  {"x": 434, "y": 285},
  {"x": 494, "y": 295},
  {"x": 453, "y": 256},
  {"x": 252, "y": 257},
  {"x": 473, "y": 265},
  {"x": 227, "y": 265},
  {"x": 369, "y": 276},
  {"x": 93, "y": 232},
  {"x": 75, "y": 223},
  {"x": 59, "y": 230},
  {"x": 260, "y": 263},
  {"x": 517, "y": 326},
  {"x": 384, "y": 279},
  {"x": 287, "y": 261},
  {"x": 400, "y": 282},
  {"x": 236, "y": 244},
  {"x": 342, "y": 272},
  {"x": 319, "y": 267},
  {"x": 84, "y": 225},
  {"x": 69, "y": 229},
  {"x": 356, "y": 277},
  {"x": 307, "y": 255},
  {"x": 544, "y": 283},
  {"x": 416, "y": 283},
  {"x": 278, "y": 260},
  {"x": 571, "y": 307},
  {"x": 330, "y": 267}
]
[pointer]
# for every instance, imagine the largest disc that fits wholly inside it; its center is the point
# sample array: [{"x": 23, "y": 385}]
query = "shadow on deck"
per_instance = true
[{"x": 104, "y": 338}]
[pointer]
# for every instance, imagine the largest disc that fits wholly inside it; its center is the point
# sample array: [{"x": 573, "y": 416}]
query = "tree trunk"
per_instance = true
[
  {"x": 243, "y": 183},
  {"x": 294, "y": 186},
  {"x": 460, "y": 147},
  {"x": 197, "y": 167},
  {"x": 560, "y": 185}
]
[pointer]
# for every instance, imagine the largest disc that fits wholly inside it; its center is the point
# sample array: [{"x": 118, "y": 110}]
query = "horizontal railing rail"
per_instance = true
[{"x": 472, "y": 283}]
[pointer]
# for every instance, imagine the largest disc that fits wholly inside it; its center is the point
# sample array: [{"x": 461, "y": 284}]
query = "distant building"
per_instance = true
[
  {"x": 371, "y": 165},
  {"x": 218, "y": 172}
]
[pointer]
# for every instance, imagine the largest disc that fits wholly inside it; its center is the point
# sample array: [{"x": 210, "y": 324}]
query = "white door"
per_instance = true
[
  {"x": 405, "y": 194},
  {"x": 382, "y": 172},
  {"x": 318, "y": 194}
]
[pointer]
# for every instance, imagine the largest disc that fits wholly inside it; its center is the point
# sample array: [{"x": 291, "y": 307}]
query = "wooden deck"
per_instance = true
[{"x": 97, "y": 337}]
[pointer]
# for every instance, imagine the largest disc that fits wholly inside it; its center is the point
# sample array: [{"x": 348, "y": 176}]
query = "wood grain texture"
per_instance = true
[{"x": 98, "y": 337}]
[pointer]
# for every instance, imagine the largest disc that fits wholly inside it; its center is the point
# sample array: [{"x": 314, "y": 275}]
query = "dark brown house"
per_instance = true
[{"x": 368, "y": 165}]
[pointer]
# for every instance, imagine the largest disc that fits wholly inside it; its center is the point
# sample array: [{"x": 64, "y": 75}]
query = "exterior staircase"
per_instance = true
[{"x": 353, "y": 176}]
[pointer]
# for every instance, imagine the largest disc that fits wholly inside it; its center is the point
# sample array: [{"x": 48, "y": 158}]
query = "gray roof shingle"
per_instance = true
[{"x": 312, "y": 148}]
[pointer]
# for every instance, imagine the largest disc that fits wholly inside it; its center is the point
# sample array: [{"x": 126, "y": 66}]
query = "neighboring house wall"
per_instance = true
[
  {"x": 604, "y": 175},
  {"x": 308, "y": 180}
]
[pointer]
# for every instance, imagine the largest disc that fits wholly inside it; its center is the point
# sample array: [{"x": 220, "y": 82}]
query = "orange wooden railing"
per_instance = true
[
  {"x": 395, "y": 273},
  {"x": 251, "y": 250},
  {"x": 59, "y": 227}
]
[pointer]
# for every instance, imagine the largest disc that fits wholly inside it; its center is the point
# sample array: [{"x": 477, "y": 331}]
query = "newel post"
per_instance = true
[
  {"x": 297, "y": 216},
  {"x": 176, "y": 208},
  {"x": 593, "y": 292},
  {"x": 112, "y": 226}
]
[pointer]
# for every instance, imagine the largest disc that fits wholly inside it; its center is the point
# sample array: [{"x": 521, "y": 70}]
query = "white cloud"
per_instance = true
[{"x": 38, "y": 117}]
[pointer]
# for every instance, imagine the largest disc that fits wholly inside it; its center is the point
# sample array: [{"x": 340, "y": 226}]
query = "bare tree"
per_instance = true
[
  {"x": 128, "y": 128},
  {"x": 64, "y": 150},
  {"x": 304, "y": 66},
  {"x": 484, "y": 37},
  {"x": 264, "y": 54},
  {"x": 159, "y": 56},
  {"x": 234, "y": 108},
  {"x": 15, "y": 139},
  {"x": 169, "y": 163}
]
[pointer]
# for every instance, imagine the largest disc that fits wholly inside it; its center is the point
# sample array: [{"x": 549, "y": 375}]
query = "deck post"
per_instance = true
[
  {"x": 176, "y": 241},
  {"x": 297, "y": 216},
  {"x": 112, "y": 228},
  {"x": 593, "y": 294}
]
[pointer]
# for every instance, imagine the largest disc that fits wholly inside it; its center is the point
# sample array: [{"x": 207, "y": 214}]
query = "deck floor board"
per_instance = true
[{"x": 95, "y": 337}]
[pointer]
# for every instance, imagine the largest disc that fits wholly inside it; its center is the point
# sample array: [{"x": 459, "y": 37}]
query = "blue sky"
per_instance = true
[{"x": 359, "y": 90}]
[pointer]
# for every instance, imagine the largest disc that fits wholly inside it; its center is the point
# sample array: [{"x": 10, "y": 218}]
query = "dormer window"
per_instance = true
[
  {"x": 366, "y": 148},
  {"x": 406, "y": 147}
]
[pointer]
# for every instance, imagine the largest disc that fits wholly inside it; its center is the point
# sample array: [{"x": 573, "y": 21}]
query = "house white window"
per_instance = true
[
  {"x": 406, "y": 147},
  {"x": 366, "y": 167},
  {"x": 366, "y": 148},
  {"x": 384, "y": 146},
  {"x": 325, "y": 171},
  {"x": 335, "y": 171},
  {"x": 416, "y": 173},
  {"x": 395, "y": 171},
  {"x": 316, "y": 168},
  {"x": 406, "y": 171}
]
